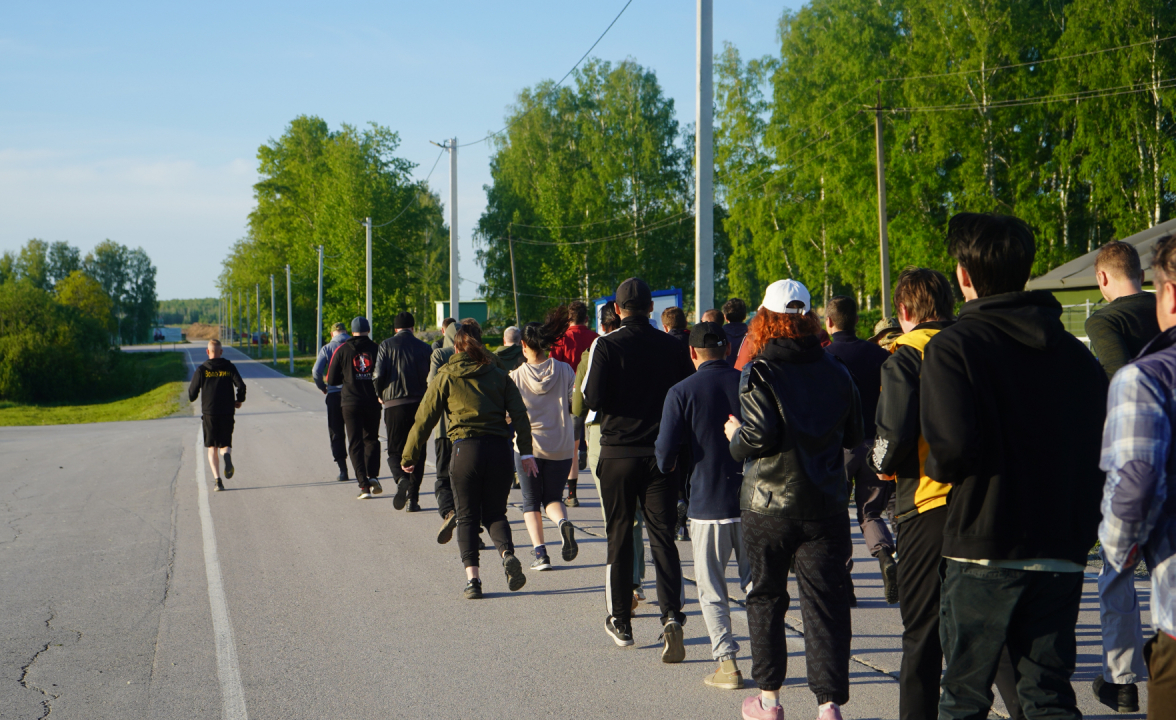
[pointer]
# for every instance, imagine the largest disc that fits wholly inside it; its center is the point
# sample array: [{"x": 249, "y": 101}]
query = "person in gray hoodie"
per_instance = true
[
  {"x": 546, "y": 386},
  {"x": 333, "y": 399}
]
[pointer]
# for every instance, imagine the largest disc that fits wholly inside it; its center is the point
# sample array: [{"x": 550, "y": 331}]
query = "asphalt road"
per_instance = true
[{"x": 127, "y": 590}]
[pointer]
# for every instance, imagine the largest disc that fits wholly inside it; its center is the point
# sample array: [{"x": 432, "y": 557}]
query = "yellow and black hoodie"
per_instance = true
[{"x": 899, "y": 449}]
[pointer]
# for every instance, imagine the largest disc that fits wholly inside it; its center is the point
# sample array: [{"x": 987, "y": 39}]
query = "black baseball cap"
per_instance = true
[
  {"x": 403, "y": 320},
  {"x": 360, "y": 324},
  {"x": 707, "y": 334},
  {"x": 634, "y": 294}
]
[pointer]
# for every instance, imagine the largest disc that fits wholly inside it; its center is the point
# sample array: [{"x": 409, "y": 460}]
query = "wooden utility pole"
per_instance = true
[{"x": 883, "y": 236}]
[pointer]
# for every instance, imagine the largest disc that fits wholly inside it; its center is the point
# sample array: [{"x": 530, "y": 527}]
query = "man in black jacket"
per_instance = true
[
  {"x": 1012, "y": 409},
  {"x": 871, "y": 495},
  {"x": 352, "y": 366},
  {"x": 402, "y": 365},
  {"x": 216, "y": 379},
  {"x": 629, "y": 373}
]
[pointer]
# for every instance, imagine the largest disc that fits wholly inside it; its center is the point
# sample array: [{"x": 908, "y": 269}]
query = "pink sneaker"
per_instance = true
[
  {"x": 753, "y": 710},
  {"x": 831, "y": 712}
]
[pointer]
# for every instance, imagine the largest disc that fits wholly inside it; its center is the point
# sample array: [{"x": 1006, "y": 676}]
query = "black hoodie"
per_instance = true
[
  {"x": 353, "y": 366},
  {"x": 1012, "y": 409},
  {"x": 214, "y": 382}
]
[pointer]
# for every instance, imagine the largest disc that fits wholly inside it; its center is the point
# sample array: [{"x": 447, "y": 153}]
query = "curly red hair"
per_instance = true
[{"x": 768, "y": 325}]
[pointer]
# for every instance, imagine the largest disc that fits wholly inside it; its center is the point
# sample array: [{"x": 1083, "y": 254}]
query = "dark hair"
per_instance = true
[
  {"x": 1164, "y": 260},
  {"x": 541, "y": 336},
  {"x": 712, "y": 353},
  {"x": 925, "y": 293},
  {"x": 447, "y": 322},
  {"x": 609, "y": 320},
  {"x": 735, "y": 310},
  {"x": 768, "y": 325},
  {"x": 674, "y": 318},
  {"x": 468, "y": 340},
  {"x": 842, "y": 312},
  {"x": 1119, "y": 259},
  {"x": 712, "y": 316},
  {"x": 996, "y": 250},
  {"x": 577, "y": 312}
]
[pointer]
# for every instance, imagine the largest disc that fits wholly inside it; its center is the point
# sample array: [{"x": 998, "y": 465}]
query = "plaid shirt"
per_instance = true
[{"x": 1137, "y": 457}]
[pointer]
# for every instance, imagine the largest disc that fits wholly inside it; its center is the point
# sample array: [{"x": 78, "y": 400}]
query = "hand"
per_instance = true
[
  {"x": 324, "y": 392},
  {"x": 380, "y": 400},
  {"x": 885, "y": 478},
  {"x": 731, "y": 427},
  {"x": 530, "y": 467},
  {"x": 237, "y": 405},
  {"x": 407, "y": 469}
]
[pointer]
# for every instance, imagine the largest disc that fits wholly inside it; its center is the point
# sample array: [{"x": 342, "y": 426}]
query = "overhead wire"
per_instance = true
[
  {"x": 1145, "y": 86},
  {"x": 416, "y": 195}
]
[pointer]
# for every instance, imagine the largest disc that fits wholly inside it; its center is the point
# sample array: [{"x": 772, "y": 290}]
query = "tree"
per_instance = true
[
  {"x": 32, "y": 264},
  {"x": 64, "y": 259},
  {"x": 84, "y": 294}
]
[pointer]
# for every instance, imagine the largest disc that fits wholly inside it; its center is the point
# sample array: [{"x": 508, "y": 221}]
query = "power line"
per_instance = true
[
  {"x": 565, "y": 77},
  {"x": 1133, "y": 88},
  {"x": 1025, "y": 64},
  {"x": 416, "y": 195}
]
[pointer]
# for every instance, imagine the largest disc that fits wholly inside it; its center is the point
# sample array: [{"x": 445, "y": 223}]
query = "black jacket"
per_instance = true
[
  {"x": 214, "y": 382},
  {"x": 402, "y": 364},
  {"x": 1119, "y": 331},
  {"x": 800, "y": 410},
  {"x": 629, "y": 373},
  {"x": 864, "y": 360},
  {"x": 1012, "y": 409},
  {"x": 352, "y": 366},
  {"x": 736, "y": 332}
]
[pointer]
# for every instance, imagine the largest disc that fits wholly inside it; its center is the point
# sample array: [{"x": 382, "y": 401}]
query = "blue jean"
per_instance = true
[{"x": 1122, "y": 629}]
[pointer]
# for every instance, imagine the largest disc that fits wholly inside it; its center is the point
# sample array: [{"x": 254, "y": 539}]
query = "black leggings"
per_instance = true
[{"x": 481, "y": 474}]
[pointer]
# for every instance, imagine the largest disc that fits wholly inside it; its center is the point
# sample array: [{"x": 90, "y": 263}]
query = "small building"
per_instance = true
[{"x": 475, "y": 309}]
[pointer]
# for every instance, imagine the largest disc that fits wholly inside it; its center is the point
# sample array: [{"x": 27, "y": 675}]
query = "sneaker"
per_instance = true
[
  {"x": 673, "y": 651},
  {"x": 572, "y": 501},
  {"x": 753, "y": 709},
  {"x": 570, "y": 548},
  {"x": 445, "y": 534},
  {"x": 473, "y": 590},
  {"x": 401, "y": 498},
  {"x": 343, "y": 473},
  {"x": 727, "y": 677},
  {"x": 515, "y": 579},
  {"x": 681, "y": 523},
  {"x": 365, "y": 493},
  {"x": 413, "y": 507},
  {"x": 634, "y": 608},
  {"x": 228, "y": 466},
  {"x": 542, "y": 562},
  {"x": 376, "y": 488},
  {"x": 516, "y": 485},
  {"x": 639, "y": 591},
  {"x": 219, "y": 486},
  {"x": 832, "y": 711},
  {"x": 683, "y": 534},
  {"x": 619, "y": 631},
  {"x": 889, "y": 575},
  {"x": 1120, "y": 698}
]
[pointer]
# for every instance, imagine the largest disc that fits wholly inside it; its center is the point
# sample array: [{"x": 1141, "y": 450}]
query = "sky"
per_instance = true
[{"x": 140, "y": 122}]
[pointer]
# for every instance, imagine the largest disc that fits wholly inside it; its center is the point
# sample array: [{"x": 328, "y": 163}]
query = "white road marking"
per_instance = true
[{"x": 232, "y": 694}]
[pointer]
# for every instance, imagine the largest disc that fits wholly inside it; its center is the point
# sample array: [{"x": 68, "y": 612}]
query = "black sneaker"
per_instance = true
[
  {"x": 515, "y": 579},
  {"x": 681, "y": 523},
  {"x": 228, "y": 466},
  {"x": 365, "y": 493},
  {"x": 542, "y": 562},
  {"x": 673, "y": 650},
  {"x": 343, "y": 477},
  {"x": 572, "y": 501},
  {"x": 570, "y": 548},
  {"x": 401, "y": 493},
  {"x": 889, "y": 575},
  {"x": 219, "y": 486},
  {"x": 473, "y": 590},
  {"x": 413, "y": 506},
  {"x": 619, "y": 631},
  {"x": 516, "y": 485},
  {"x": 445, "y": 534},
  {"x": 683, "y": 534},
  {"x": 375, "y": 487},
  {"x": 1120, "y": 698}
]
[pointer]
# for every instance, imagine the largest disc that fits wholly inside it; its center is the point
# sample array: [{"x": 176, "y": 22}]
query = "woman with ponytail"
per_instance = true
[
  {"x": 546, "y": 387},
  {"x": 476, "y": 396}
]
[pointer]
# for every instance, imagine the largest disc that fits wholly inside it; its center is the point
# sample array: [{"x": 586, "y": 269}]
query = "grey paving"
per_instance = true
[{"x": 340, "y": 608}]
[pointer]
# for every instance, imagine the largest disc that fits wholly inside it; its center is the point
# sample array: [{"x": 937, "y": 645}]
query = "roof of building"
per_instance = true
[{"x": 1079, "y": 272}]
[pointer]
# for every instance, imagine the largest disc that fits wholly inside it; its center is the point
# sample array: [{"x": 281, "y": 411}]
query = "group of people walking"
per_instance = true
[{"x": 980, "y": 432}]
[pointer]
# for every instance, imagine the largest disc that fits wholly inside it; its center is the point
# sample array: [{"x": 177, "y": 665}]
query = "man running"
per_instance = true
[
  {"x": 402, "y": 364},
  {"x": 216, "y": 379},
  {"x": 351, "y": 366},
  {"x": 333, "y": 397}
]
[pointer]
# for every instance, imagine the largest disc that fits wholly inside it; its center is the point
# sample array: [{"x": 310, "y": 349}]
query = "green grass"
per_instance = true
[{"x": 158, "y": 380}]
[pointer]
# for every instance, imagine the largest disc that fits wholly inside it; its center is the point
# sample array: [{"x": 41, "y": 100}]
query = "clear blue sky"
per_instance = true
[{"x": 140, "y": 122}]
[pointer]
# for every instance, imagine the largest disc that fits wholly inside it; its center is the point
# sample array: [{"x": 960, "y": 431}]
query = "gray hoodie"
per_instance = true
[{"x": 547, "y": 392}]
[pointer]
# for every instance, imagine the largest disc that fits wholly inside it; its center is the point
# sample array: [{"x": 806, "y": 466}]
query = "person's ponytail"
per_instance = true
[{"x": 541, "y": 336}]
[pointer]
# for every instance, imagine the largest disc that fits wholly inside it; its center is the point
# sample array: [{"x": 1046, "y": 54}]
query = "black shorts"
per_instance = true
[{"x": 218, "y": 430}]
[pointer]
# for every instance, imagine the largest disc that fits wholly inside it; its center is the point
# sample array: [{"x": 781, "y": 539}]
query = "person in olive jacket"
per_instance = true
[
  {"x": 475, "y": 395},
  {"x": 402, "y": 364},
  {"x": 800, "y": 411}
]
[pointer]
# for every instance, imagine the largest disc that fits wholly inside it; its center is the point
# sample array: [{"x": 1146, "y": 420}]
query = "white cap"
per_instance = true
[{"x": 782, "y": 292}]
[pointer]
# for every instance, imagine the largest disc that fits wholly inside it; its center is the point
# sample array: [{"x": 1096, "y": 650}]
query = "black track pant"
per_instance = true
[
  {"x": 398, "y": 422},
  {"x": 442, "y": 490},
  {"x": 363, "y": 440},
  {"x": 336, "y": 429},
  {"x": 819, "y": 548},
  {"x": 482, "y": 475},
  {"x": 624, "y": 482}
]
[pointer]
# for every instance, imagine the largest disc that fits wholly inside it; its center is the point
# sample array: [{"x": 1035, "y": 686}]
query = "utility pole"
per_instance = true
[
  {"x": 368, "y": 223},
  {"x": 257, "y": 290},
  {"x": 273, "y": 335},
  {"x": 883, "y": 237},
  {"x": 514, "y": 283},
  {"x": 318, "y": 333},
  {"x": 290, "y": 319},
  {"x": 454, "y": 273},
  {"x": 240, "y": 315},
  {"x": 704, "y": 166}
]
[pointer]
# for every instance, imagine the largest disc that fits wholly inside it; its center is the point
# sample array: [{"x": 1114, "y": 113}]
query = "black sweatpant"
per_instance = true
[
  {"x": 336, "y": 429},
  {"x": 871, "y": 496},
  {"x": 363, "y": 441},
  {"x": 398, "y": 422},
  {"x": 819, "y": 548},
  {"x": 482, "y": 474},
  {"x": 442, "y": 490},
  {"x": 624, "y": 482}
]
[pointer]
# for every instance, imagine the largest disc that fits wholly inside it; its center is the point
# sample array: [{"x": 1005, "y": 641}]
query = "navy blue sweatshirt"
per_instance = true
[
  {"x": 864, "y": 360},
  {"x": 694, "y": 413}
]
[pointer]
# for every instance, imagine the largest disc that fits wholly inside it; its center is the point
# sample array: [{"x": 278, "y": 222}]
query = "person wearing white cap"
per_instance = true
[{"x": 794, "y": 498}]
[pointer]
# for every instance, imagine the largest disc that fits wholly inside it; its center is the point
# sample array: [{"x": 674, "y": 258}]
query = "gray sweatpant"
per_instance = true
[
  {"x": 713, "y": 545},
  {"x": 1122, "y": 628}
]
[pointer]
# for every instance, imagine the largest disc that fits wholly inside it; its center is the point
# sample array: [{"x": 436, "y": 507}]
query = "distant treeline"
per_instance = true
[{"x": 186, "y": 312}]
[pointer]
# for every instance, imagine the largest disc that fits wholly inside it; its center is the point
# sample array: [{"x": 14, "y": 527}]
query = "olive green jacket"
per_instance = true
[
  {"x": 579, "y": 407},
  {"x": 511, "y": 356},
  {"x": 476, "y": 399}
]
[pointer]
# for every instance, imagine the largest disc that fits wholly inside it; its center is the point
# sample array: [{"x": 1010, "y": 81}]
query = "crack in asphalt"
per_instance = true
[{"x": 46, "y": 704}]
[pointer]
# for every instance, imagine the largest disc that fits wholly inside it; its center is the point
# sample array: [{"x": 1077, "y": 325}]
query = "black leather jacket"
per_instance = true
[
  {"x": 402, "y": 364},
  {"x": 800, "y": 410}
]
